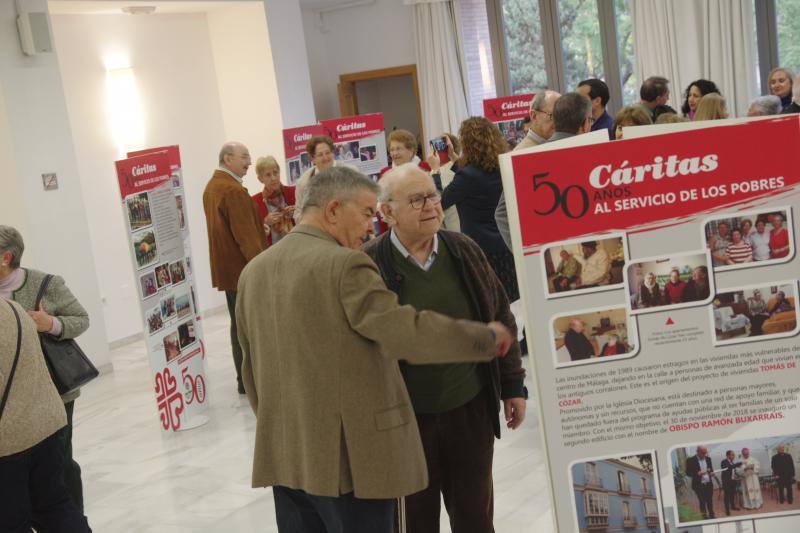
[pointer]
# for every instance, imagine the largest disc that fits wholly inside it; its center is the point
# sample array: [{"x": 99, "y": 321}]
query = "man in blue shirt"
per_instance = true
[{"x": 597, "y": 91}]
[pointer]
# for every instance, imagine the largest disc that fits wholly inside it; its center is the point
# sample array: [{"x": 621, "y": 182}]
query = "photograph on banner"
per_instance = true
[
  {"x": 183, "y": 305},
  {"x": 177, "y": 272},
  {"x": 617, "y": 493},
  {"x": 154, "y": 320},
  {"x": 172, "y": 348},
  {"x": 735, "y": 479},
  {"x": 511, "y": 114},
  {"x": 669, "y": 282},
  {"x": 594, "y": 336},
  {"x": 139, "y": 211},
  {"x": 186, "y": 334},
  {"x": 586, "y": 265},
  {"x": 167, "y": 304},
  {"x": 752, "y": 238},
  {"x": 181, "y": 212},
  {"x": 755, "y": 312},
  {"x": 144, "y": 248},
  {"x": 683, "y": 386},
  {"x": 162, "y": 276},
  {"x": 147, "y": 283}
]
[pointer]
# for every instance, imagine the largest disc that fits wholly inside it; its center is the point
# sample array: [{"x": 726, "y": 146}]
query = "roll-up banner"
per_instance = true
[
  {"x": 151, "y": 190},
  {"x": 659, "y": 280},
  {"x": 508, "y": 112}
]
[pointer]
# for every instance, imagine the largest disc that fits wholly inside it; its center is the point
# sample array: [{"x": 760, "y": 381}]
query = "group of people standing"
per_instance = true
[
  {"x": 745, "y": 243},
  {"x": 674, "y": 290}
]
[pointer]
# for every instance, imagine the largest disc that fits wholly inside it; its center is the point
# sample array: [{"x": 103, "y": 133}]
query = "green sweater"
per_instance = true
[{"x": 437, "y": 388}]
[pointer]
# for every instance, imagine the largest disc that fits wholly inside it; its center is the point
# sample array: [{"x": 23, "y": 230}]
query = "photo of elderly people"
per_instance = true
[
  {"x": 584, "y": 266},
  {"x": 751, "y": 477},
  {"x": 593, "y": 336},
  {"x": 681, "y": 280},
  {"x": 757, "y": 237},
  {"x": 763, "y": 311}
]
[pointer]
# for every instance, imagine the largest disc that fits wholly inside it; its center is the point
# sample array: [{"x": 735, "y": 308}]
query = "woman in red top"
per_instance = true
[
  {"x": 778, "y": 238},
  {"x": 275, "y": 202},
  {"x": 674, "y": 288},
  {"x": 614, "y": 346},
  {"x": 402, "y": 150}
]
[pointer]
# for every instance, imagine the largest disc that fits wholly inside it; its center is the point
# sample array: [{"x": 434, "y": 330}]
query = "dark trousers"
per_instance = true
[
  {"x": 32, "y": 490},
  {"x": 296, "y": 511},
  {"x": 785, "y": 485},
  {"x": 705, "y": 494},
  {"x": 730, "y": 495},
  {"x": 459, "y": 447},
  {"x": 230, "y": 298},
  {"x": 72, "y": 470}
]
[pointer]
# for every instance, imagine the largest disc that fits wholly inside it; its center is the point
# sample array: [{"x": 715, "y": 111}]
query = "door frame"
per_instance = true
[{"x": 348, "y": 101}]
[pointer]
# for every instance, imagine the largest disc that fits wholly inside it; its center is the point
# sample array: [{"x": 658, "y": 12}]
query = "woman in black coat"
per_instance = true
[{"x": 475, "y": 191}]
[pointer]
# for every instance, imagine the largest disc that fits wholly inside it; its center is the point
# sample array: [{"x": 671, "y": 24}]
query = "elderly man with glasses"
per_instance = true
[{"x": 457, "y": 404}]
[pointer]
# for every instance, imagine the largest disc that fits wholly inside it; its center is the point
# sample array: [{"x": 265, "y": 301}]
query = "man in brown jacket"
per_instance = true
[
  {"x": 235, "y": 235},
  {"x": 321, "y": 334}
]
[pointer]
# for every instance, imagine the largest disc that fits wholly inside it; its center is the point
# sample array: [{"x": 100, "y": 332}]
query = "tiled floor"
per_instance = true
[{"x": 139, "y": 479}]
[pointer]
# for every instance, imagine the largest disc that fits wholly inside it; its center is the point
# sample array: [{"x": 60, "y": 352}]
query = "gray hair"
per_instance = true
[
  {"x": 336, "y": 183},
  {"x": 766, "y": 105},
  {"x": 538, "y": 102},
  {"x": 227, "y": 149},
  {"x": 570, "y": 112},
  {"x": 11, "y": 241},
  {"x": 394, "y": 177}
]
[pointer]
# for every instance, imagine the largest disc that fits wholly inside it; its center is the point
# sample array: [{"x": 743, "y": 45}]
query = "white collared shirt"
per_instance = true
[
  {"x": 426, "y": 266},
  {"x": 536, "y": 137},
  {"x": 234, "y": 176}
]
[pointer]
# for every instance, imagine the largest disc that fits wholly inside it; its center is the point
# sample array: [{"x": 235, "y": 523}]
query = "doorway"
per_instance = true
[{"x": 391, "y": 91}]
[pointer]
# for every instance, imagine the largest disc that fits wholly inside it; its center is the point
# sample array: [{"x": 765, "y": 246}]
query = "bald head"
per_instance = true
[
  {"x": 577, "y": 325},
  {"x": 542, "y": 113},
  {"x": 235, "y": 157}
]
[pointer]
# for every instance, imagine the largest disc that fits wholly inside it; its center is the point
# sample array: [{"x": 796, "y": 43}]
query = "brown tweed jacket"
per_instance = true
[{"x": 235, "y": 234}]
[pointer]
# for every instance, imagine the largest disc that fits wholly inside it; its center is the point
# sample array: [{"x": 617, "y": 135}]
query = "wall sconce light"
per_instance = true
[{"x": 124, "y": 109}]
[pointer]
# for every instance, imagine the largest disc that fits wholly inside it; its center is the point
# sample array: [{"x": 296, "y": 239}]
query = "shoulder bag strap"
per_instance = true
[
  {"x": 16, "y": 360},
  {"x": 42, "y": 289}
]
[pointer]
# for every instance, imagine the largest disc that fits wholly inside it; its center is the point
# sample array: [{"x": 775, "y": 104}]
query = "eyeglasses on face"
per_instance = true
[{"x": 418, "y": 202}]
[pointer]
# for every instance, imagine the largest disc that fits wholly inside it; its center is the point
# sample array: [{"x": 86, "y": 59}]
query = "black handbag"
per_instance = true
[
  {"x": 14, "y": 364},
  {"x": 69, "y": 367}
]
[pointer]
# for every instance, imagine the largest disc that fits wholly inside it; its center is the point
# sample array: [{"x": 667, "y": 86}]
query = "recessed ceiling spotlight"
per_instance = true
[{"x": 139, "y": 10}]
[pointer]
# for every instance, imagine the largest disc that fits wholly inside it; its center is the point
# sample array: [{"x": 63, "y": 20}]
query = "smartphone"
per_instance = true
[{"x": 439, "y": 145}]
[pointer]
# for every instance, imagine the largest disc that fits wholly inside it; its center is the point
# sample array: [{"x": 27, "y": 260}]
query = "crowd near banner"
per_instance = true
[
  {"x": 659, "y": 280},
  {"x": 294, "y": 146},
  {"x": 359, "y": 141},
  {"x": 508, "y": 113},
  {"x": 151, "y": 188}
]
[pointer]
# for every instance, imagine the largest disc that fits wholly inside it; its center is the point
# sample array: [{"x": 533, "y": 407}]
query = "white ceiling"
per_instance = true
[{"x": 113, "y": 7}]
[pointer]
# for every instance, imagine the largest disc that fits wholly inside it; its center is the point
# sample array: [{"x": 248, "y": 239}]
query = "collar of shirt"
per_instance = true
[
  {"x": 231, "y": 174},
  {"x": 536, "y": 137},
  {"x": 408, "y": 255}
]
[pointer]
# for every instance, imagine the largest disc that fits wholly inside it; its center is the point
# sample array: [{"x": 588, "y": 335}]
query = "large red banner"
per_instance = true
[
  {"x": 353, "y": 128},
  {"x": 642, "y": 185},
  {"x": 507, "y": 107}
]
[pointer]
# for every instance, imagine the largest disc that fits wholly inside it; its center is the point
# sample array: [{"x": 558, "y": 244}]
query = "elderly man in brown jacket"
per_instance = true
[
  {"x": 31, "y": 417},
  {"x": 235, "y": 234},
  {"x": 321, "y": 336}
]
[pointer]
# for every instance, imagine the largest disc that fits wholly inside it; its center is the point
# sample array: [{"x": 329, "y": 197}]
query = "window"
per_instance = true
[
  {"x": 596, "y": 508},
  {"x": 626, "y": 511},
  {"x": 591, "y": 474},
  {"x": 477, "y": 50},
  {"x": 623, "y": 482},
  {"x": 787, "y": 13},
  {"x": 580, "y": 41},
  {"x": 524, "y": 46},
  {"x": 645, "y": 489},
  {"x": 630, "y": 85},
  {"x": 650, "y": 508}
]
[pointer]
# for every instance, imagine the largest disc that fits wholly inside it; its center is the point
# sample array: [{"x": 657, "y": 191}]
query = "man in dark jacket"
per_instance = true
[
  {"x": 783, "y": 470},
  {"x": 729, "y": 480},
  {"x": 456, "y": 405},
  {"x": 700, "y": 469}
]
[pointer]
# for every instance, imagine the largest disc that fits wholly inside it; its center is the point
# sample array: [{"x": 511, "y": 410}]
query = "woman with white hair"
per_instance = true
[
  {"x": 794, "y": 106},
  {"x": 780, "y": 84}
]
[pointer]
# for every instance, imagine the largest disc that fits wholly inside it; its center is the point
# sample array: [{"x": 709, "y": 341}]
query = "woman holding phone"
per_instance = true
[{"x": 441, "y": 161}]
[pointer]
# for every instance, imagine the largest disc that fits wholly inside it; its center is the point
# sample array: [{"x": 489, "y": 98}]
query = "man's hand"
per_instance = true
[
  {"x": 502, "y": 338},
  {"x": 515, "y": 412},
  {"x": 44, "y": 322}
]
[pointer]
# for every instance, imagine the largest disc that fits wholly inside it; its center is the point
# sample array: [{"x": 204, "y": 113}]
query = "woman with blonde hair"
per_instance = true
[
  {"x": 475, "y": 191},
  {"x": 780, "y": 81},
  {"x": 630, "y": 116},
  {"x": 275, "y": 202},
  {"x": 711, "y": 107}
]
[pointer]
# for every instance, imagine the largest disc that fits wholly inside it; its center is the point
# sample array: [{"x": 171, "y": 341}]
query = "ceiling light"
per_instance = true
[{"x": 139, "y": 10}]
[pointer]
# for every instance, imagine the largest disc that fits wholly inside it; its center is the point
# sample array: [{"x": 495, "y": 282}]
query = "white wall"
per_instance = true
[
  {"x": 36, "y": 138},
  {"x": 248, "y": 90},
  {"x": 171, "y": 55},
  {"x": 353, "y": 40}
]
